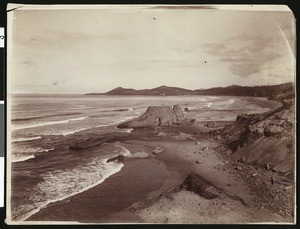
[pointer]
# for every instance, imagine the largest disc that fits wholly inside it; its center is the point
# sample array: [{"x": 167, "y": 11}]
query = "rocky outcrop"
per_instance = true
[
  {"x": 212, "y": 124},
  {"x": 265, "y": 138},
  {"x": 116, "y": 158},
  {"x": 156, "y": 116},
  {"x": 197, "y": 184},
  {"x": 158, "y": 150}
]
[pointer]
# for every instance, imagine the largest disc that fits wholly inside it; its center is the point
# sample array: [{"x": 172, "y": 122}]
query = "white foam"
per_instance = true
[
  {"x": 61, "y": 184},
  {"x": 102, "y": 125},
  {"x": 231, "y": 101},
  {"x": 68, "y": 132},
  {"x": 64, "y": 132},
  {"x": 26, "y": 139},
  {"x": 38, "y": 124},
  {"x": 202, "y": 99},
  {"x": 31, "y": 150},
  {"x": 192, "y": 108},
  {"x": 209, "y": 104},
  {"x": 24, "y": 158},
  {"x": 128, "y": 130}
]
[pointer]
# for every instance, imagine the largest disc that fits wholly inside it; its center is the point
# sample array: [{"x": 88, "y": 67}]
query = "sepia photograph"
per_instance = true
[{"x": 151, "y": 114}]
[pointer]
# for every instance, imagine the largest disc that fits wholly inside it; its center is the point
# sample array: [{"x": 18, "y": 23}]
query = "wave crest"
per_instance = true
[
  {"x": 38, "y": 124},
  {"x": 26, "y": 139},
  {"x": 22, "y": 158}
]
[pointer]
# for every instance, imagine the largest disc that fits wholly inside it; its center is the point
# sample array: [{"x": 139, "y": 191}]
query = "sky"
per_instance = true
[{"x": 75, "y": 51}]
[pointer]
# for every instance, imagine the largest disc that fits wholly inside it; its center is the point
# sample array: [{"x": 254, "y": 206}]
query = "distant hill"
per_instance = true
[
  {"x": 164, "y": 90},
  {"x": 122, "y": 91},
  {"x": 260, "y": 91},
  {"x": 159, "y": 91},
  {"x": 272, "y": 91}
]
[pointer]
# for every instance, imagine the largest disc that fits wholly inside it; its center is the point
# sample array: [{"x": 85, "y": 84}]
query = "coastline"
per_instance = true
[{"x": 139, "y": 192}]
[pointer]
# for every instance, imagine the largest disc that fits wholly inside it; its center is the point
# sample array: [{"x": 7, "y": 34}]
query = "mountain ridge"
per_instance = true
[{"x": 271, "y": 91}]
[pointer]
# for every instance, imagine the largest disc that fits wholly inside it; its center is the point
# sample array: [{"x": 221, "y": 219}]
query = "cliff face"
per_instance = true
[
  {"x": 156, "y": 116},
  {"x": 265, "y": 138}
]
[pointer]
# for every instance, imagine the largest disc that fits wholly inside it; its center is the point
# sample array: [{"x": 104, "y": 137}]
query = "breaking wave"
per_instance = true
[
  {"x": 22, "y": 158},
  {"x": 26, "y": 139},
  {"x": 37, "y": 124},
  {"x": 61, "y": 184}
]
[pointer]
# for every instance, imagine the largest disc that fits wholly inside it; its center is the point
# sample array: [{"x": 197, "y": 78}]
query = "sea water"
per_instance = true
[{"x": 45, "y": 170}]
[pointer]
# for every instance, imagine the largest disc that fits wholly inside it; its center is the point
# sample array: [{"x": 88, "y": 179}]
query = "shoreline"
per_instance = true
[
  {"x": 160, "y": 174},
  {"x": 117, "y": 192}
]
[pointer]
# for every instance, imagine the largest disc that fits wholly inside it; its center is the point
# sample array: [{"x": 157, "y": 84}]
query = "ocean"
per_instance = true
[{"x": 44, "y": 170}]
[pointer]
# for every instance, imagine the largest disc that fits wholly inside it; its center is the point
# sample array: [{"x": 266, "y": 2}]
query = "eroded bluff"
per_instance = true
[{"x": 156, "y": 116}]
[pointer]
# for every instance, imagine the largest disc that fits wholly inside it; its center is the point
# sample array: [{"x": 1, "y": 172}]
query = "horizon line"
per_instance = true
[{"x": 32, "y": 93}]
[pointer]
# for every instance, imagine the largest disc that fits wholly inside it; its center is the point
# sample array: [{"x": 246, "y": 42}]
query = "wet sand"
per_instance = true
[{"x": 137, "y": 178}]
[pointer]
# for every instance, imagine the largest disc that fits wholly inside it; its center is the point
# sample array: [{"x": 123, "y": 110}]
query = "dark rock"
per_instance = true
[
  {"x": 212, "y": 125},
  {"x": 190, "y": 139},
  {"x": 199, "y": 162},
  {"x": 116, "y": 158},
  {"x": 158, "y": 150},
  {"x": 272, "y": 180},
  {"x": 204, "y": 188},
  {"x": 200, "y": 186},
  {"x": 205, "y": 148},
  {"x": 156, "y": 116}
]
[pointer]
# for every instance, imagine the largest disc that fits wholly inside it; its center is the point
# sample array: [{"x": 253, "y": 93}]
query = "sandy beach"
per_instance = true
[{"x": 147, "y": 189}]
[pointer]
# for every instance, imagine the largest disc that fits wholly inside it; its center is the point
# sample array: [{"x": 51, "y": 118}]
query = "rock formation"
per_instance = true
[
  {"x": 265, "y": 138},
  {"x": 156, "y": 116},
  {"x": 157, "y": 150},
  {"x": 116, "y": 158},
  {"x": 197, "y": 184}
]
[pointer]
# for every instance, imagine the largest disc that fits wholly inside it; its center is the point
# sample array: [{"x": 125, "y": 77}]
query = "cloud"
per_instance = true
[{"x": 246, "y": 54}]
